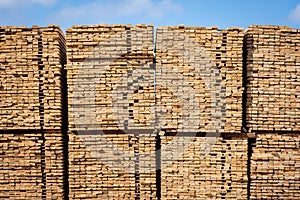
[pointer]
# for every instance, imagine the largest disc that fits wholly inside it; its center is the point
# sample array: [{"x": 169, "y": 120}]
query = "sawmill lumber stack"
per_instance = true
[
  {"x": 111, "y": 107},
  {"x": 199, "y": 79},
  {"x": 33, "y": 117},
  {"x": 99, "y": 166},
  {"x": 272, "y": 78},
  {"x": 111, "y": 166},
  {"x": 32, "y": 164},
  {"x": 199, "y": 89},
  {"x": 187, "y": 173},
  {"x": 275, "y": 171},
  {"x": 272, "y": 60},
  {"x": 21, "y": 166},
  {"x": 110, "y": 80},
  {"x": 31, "y": 75}
]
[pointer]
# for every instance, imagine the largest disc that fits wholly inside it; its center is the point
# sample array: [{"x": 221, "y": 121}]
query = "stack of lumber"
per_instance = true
[
  {"x": 199, "y": 79},
  {"x": 53, "y": 78},
  {"x": 21, "y": 166},
  {"x": 187, "y": 173},
  {"x": 32, "y": 165},
  {"x": 275, "y": 171},
  {"x": 273, "y": 70},
  {"x": 100, "y": 166},
  {"x": 32, "y": 123},
  {"x": 30, "y": 77},
  {"x": 110, "y": 80},
  {"x": 111, "y": 166},
  {"x": 272, "y": 110},
  {"x": 19, "y": 91},
  {"x": 111, "y": 101}
]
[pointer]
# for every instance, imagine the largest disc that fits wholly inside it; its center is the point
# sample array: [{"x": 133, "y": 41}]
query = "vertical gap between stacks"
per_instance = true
[
  {"x": 251, "y": 143},
  {"x": 64, "y": 112},
  {"x": 41, "y": 112},
  {"x": 158, "y": 166},
  {"x": 65, "y": 132}
]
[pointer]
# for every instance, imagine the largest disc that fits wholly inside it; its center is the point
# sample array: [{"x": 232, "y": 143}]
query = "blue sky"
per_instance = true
[{"x": 221, "y": 13}]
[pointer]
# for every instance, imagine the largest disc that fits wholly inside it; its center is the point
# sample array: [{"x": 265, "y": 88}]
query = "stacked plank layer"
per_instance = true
[
  {"x": 94, "y": 170},
  {"x": 111, "y": 107},
  {"x": 273, "y": 70},
  {"x": 111, "y": 166},
  {"x": 187, "y": 173},
  {"x": 110, "y": 80},
  {"x": 32, "y": 165},
  {"x": 53, "y": 79},
  {"x": 19, "y": 62},
  {"x": 199, "y": 79},
  {"x": 32, "y": 112},
  {"x": 21, "y": 166},
  {"x": 31, "y": 73},
  {"x": 275, "y": 166}
]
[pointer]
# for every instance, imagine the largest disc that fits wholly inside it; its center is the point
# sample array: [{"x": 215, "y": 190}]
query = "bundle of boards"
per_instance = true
[
  {"x": 272, "y": 68},
  {"x": 272, "y": 78},
  {"x": 199, "y": 79},
  {"x": 111, "y": 112},
  {"x": 275, "y": 171},
  {"x": 33, "y": 113}
]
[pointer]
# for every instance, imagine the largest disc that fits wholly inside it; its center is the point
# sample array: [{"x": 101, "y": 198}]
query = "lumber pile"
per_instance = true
[
  {"x": 111, "y": 166},
  {"x": 272, "y": 110},
  {"x": 32, "y": 123},
  {"x": 273, "y": 70},
  {"x": 187, "y": 173},
  {"x": 110, "y": 80},
  {"x": 275, "y": 172},
  {"x": 21, "y": 166},
  {"x": 199, "y": 79},
  {"x": 32, "y": 165},
  {"x": 111, "y": 102},
  {"x": 98, "y": 168},
  {"x": 19, "y": 57},
  {"x": 31, "y": 73}
]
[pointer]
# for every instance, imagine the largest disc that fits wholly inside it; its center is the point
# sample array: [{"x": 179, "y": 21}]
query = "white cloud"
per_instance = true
[
  {"x": 107, "y": 10},
  {"x": 21, "y": 3},
  {"x": 294, "y": 15}
]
